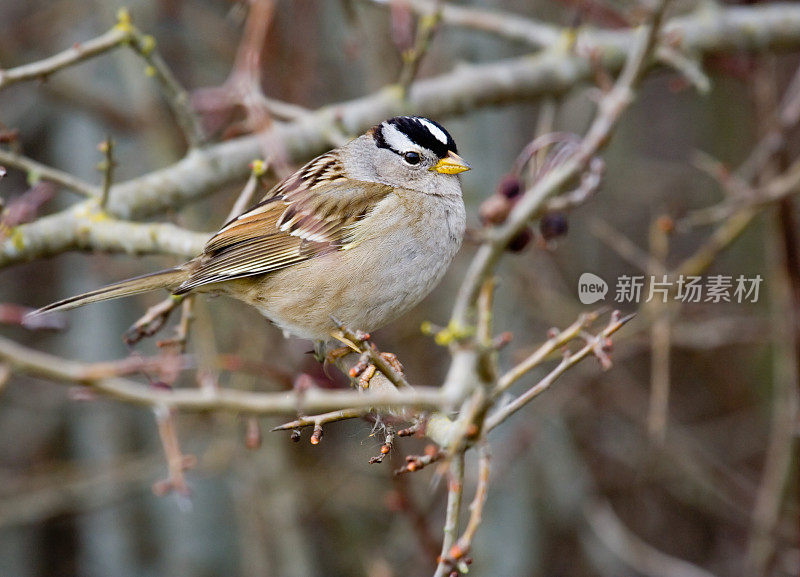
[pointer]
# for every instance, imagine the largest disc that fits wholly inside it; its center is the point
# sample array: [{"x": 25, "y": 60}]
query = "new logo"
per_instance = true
[{"x": 591, "y": 288}]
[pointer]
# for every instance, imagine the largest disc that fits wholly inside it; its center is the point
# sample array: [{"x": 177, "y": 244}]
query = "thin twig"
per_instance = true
[
  {"x": 610, "y": 109},
  {"x": 455, "y": 491},
  {"x": 770, "y": 497},
  {"x": 177, "y": 98},
  {"x": 107, "y": 168},
  {"x": 785, "y": 118},
  {"x": 594, "y": 346},
  {"x": 785, "y": 299},
  {"x": 722, "y": 237},
  {"x": 25, "y": 360},
  {"x": 77, "y": 53},
  {"x": 243, "y": 87},
  {"x": 177, "y": 462},
  {"x": 37, "y": 170},
  {"x": 750, "y": 197},
  {"x": 245, "y": 198},
  {"x": 626, "y": 545},
  {"x": 123, "y": 33},
  {"x": 464, "y": 543},
  {"x": 416, "y": 463},
  {"x": 511, "y": 26},
  {"x": 322, "y": 419},
  {"x": 412, "y": 58},
  {"x": 284, "y": 110},
  {"x": 751, "y": 28},
  {"x": 689, "y": 67},
  {"x": 660, "y": 339},
  {"x": 543, "y": 352},
  {"x": 622, "y": 245},
  {"x": 152, "y": 320},
  {"x": 736, "y": 220},
  {"x": 187, "y": 316}
]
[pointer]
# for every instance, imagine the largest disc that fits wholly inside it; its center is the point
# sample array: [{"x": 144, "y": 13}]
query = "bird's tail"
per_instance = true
[{"x": 168, "y": 279}]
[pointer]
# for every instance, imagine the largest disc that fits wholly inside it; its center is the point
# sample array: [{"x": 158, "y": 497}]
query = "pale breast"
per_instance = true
[{"x": 398, "y": 258}]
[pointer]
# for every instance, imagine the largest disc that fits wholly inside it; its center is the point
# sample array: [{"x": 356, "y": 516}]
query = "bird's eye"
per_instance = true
[{"x": 411, "y": 157}]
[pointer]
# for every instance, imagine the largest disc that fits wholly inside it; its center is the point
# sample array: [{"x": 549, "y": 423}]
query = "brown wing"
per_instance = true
[{"x": 306, "y": 215}]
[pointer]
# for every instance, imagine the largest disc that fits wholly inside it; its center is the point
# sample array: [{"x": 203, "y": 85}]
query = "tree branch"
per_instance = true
[
  {"x": 77, "y": 53},
  {"x": 35, "y": 363},
  {"x": 204, "y": 171},
  {"x": 455, "y": 492},
  {"x": 594, "y": 346},
  {"x": 124, "y": 32},
  {"x": 610, "y": 108},
  {"x": 32, "y": 168}
]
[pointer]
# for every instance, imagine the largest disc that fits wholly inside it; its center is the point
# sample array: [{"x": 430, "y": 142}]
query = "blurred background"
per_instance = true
[{"x": 570, "y": 474}]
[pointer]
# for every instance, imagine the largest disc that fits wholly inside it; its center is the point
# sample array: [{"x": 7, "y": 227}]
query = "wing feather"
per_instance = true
[{"x": 304, "y": 216}]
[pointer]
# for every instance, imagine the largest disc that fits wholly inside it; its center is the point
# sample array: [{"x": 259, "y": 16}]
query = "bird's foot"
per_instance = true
[
  {"x": 335, "y": 354},
  {"x": 364, "y": 370}
]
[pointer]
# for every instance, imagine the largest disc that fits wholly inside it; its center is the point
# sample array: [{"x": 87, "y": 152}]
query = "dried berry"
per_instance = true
[
  {"x": 521, "y": 240},
  {"x": 509, "y": 187},
  {"x": 666, "y": 224},
  {"x": 553, "y": 225},
  {"x": 494, "y": 210}
]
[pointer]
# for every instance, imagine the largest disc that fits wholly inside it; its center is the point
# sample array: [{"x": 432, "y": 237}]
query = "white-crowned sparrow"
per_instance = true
[{"x": 360, "y": 234}]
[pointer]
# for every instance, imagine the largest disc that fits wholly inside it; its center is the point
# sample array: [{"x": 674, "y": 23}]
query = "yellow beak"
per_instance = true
[{"x": 451, "y": 164}]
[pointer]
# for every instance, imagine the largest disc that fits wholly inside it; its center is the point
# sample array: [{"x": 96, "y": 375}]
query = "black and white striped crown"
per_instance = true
[{"x": 402, "y": 133}]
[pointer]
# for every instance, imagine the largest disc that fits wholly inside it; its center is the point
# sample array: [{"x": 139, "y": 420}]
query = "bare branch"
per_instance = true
[
  {"x": 73, "y": 55},
  {"x": 464, "y": 543},
  {"x": 319, "y": 420},
  {"x": 510, "y": 26},
  {"x": 82, "y": 229},
  {"x": 610, "y": 109},
  {"x": 245, "y": 198},
  {"x": 205, "y": 171},
  {"x": 541, "y": 354},
  {"x": 177, "y": 98},
  {"x": 152, "y": 320},
  {"x": 107, "y": 168},
  {"x": 594, "y": 346},
  {"x": 123, "y": 33},
  {"x": 458, "y": 384},
  {"x": 644, "y": 558},
  {"x": 412, "y": 58},
  {"x": 48, "y": 366},
  {"x": 177, "y": 461},
  {"x": 455, "y": 491},
  {"x": 38, "y": 170}
]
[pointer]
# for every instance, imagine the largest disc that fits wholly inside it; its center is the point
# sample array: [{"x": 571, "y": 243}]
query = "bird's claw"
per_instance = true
[{"x": 365, "y": 370}]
